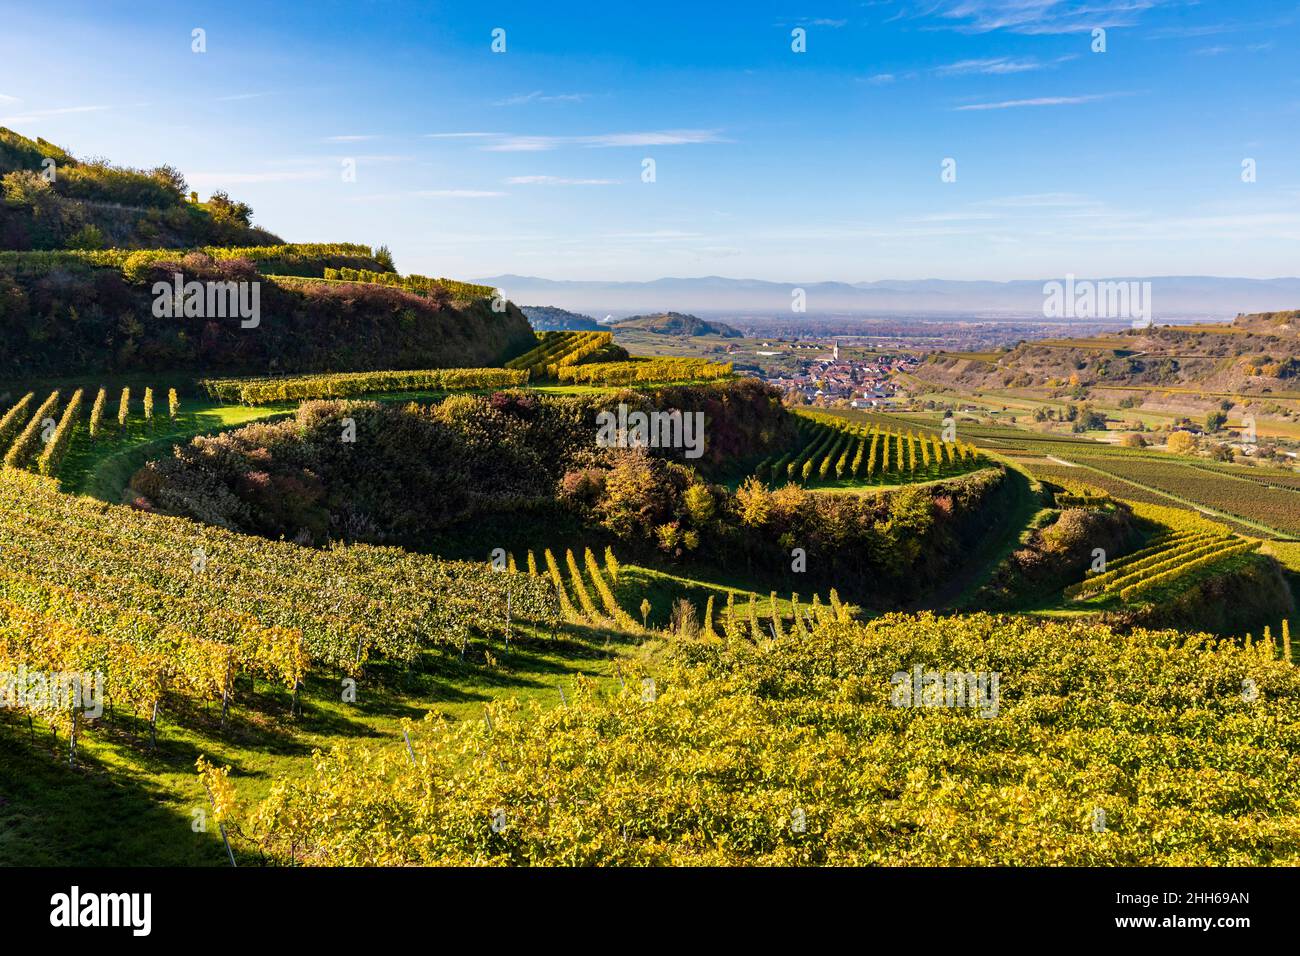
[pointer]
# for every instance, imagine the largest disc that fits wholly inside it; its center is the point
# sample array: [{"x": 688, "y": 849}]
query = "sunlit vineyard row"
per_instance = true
[
  {"x": 262, "y": 391},
  {"x": 135, "y": 262},
  {"x": 1161, "y": 563},
  {"x": 587, "y": 587},
  {"x": 650, "y": 371},
  {"x": 558, "y": 350},
  {"x": 41, "y": 442},
  {"x": 834, "y": 450},
  {"x": 412, "y": 283}
]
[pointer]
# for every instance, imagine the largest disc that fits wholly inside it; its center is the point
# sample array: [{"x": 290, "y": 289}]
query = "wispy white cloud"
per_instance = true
[
  {"x": 525, "y": 144},
  {"x": 1037, "y": 101},
  {"x": 998, "y": 66},
  {"x": 1221, "y": 50},
  {"x": 1031, "y": 16},
  {"x": 350, "y": 138},
  {"x": 667, "y": 137},
  {"x": 1190, "y": 31},
  {"x": 9, "y": 99},
  {"x": 242, "y": 96},
  {"x": 537, "y": 96},
  {"x": 880, "y": 79},
  {"x": 559, "y": 181},
  {"x": 459, "y": 135}
]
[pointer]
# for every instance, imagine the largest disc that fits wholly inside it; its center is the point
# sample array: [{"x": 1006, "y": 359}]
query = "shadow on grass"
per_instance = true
[{"x": 52, "y": 814}]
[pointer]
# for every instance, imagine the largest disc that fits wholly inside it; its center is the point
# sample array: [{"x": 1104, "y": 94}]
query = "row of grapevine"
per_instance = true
[
  {"x": 57, "y": 446},
  {"x": 44, "y": 440},
  {"x": 1164, "y": 576},
  {"x": 838, "y": 451},
  {"x": 585, "y": 590},
  {"x": 29, "y": 439},
  {"x": 134, "y": 262},
  {"x": 413, "y": 283},
  {"x": 13, "y": 421},
  {"x": 651, "y": 371},
  {"x": 558, "y": 350},
  {"x": 1166, "y": 552},
  {"x": 763, "y": 620},
  {"x": 585, "y": 593},
  {"x": 262, "y": 391}
]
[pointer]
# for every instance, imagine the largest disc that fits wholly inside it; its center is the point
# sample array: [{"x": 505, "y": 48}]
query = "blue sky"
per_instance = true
[{"x": 769, "y": 164}]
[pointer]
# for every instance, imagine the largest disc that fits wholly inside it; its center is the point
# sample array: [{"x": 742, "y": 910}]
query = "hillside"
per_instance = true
[
  {"x": 1255, "y": 357},
  {"x": 86, "y": 247},
  {"x": 548, "y": 318},
  {"x": 676, "y": 323},
  {"x": 66, "y": 314},
  {"x": 49, "y": 199}
]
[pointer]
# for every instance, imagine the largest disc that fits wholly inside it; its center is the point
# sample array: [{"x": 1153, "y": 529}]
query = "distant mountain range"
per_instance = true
[{"x": 1172, "y": 297}]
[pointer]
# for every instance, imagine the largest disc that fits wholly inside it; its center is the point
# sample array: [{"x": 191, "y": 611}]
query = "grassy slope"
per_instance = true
[{"x": 102, "y": 469}]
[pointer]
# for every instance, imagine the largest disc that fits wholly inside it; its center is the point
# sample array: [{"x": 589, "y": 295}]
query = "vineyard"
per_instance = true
[
  {"x": 287, "y": 259},
  {"x": 262, "y": 391},
  {"x": 792, "y": 751},
  {"x": 559, "y": 350},
  {"x": 167, "y": 607},
  {"x": 832, "y": 449},
  {"x": 43, "y": 441},
  {"x": 597, "y": 593},
  {"x": 1166, "y": 562},
  {"x": 413, "y": 283},
  {"x": 652, "y": 371},
  {"x": 1252, "y": 500},
  {"x": 1273, "y": 506}
]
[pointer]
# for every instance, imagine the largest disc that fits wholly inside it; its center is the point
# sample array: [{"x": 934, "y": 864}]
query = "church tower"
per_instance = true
[{"x": 835, "y": 350}]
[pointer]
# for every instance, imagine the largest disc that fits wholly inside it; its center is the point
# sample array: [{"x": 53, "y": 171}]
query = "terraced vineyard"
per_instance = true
[
  {"x": 655, "y": 371},
  {"x": 832, "y": 450},
  {"x": 1163, "y": 564},
  {"x": 559, "y": 350},
  {"x": 596, "y": 593},
  {"x": 263, "y": 391},
  {"x": 412, "y": 283}
]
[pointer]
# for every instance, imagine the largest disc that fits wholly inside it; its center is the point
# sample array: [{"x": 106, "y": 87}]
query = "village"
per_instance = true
[{"x": 834, "y": 379}]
